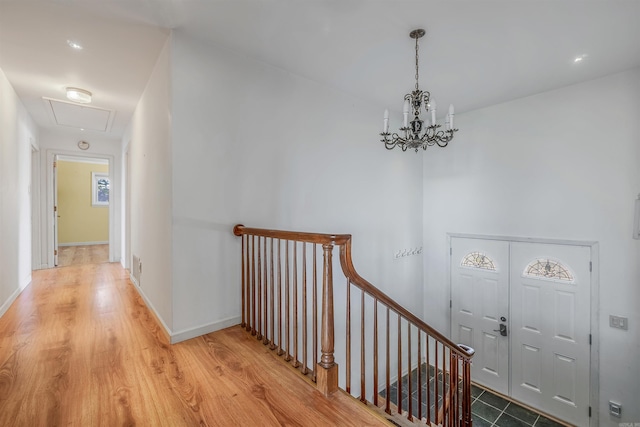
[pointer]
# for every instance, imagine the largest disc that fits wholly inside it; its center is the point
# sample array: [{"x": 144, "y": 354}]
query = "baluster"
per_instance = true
[
  {"x": 259, "y": 336},
  {"x": 426, "y": 339},
  {"x": 375, "y": 351},
  {"x": 399, "y": 364},
  {"x": 453, "y": 368},
  {"x": 410, "y": 400},
  {"x": 419, "y": 385},
  {"x": 435, "y": 383},
  {"x": 286, "y": 304},
  {"x": 327, "y": 368},
  {"x": 295, "y": 304},
  {"x": 244, "y": 323},
  {"x": 363, "y": 393},
  {"x": 466, "y": 393},
  {"x": 388, "y": 368},
  {"x": 348, "y": 331},
  {"x": 265, "y": 293},
  {"x": 304, "y": 308},
  {"x": 272, "y": 310},
  {"x": 254, "y": 287},
  {"x": 280, "y": 352},
  {"x": 315, "y": 310}
]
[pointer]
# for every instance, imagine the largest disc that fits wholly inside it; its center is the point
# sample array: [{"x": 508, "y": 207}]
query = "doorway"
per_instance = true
[
  {"x": 525, "y": 307},
  {"x": 81, "y": 207}
]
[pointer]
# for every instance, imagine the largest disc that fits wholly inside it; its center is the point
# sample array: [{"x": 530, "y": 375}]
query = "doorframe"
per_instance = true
[
  {"x": 594, "y": 356},
  {"x": 113, "y": 197}
]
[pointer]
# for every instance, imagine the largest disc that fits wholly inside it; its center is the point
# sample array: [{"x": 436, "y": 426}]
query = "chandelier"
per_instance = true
[{"x": 418, "y": 133}]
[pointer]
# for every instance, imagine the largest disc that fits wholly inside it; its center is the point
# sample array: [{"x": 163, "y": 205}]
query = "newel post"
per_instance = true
[{"x": 327, "y": 369}]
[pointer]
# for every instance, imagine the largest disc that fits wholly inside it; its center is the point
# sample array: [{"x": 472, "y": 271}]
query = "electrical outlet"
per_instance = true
[
  {"x": 618, "y": 322},
  {"x": 615, "y": 409}
]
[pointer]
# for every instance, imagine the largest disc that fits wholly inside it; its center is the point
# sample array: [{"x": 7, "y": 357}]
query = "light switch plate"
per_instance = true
[
  {"x": 618, "y": 322},
  {"x": 615, "y": 409}
]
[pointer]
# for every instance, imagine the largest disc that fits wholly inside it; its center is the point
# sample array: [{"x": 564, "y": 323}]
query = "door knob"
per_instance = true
[{"x": 502, "y": 330}]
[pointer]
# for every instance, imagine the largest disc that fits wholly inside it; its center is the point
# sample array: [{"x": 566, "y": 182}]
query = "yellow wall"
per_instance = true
[{"x": 79, "y": 221}]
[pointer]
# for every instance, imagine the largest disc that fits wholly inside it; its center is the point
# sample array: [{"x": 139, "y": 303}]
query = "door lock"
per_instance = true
[{"x": 502, "y": 330}]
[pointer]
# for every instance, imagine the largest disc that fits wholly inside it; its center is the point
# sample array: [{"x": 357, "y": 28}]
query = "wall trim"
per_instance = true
[
  {"x": 186, "y": 334},
  {"x": 13, "y": 297},
  {"x": 165, "y": 329}
]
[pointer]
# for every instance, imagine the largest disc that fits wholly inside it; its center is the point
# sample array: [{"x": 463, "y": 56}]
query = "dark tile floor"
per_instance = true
[{"x": 487, "y": 409}]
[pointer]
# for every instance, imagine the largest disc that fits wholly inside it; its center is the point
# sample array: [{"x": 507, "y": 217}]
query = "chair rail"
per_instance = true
[{"x": 283, "y": 305}]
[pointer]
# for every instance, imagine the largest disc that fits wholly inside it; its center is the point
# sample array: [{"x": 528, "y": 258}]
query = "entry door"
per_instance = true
[
  {"x": 480, "y": 305},
  {"x": 550, "y": 324}
]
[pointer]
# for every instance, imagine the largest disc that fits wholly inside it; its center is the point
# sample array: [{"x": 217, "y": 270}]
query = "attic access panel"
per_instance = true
[{"x": 79, "y": 116}]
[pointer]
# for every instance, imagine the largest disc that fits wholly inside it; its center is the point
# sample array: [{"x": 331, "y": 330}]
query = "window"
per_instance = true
[
  {"x": 478, "y": 260},
  {"x": 548, "y": 269},
  {"x": 100, "y": 189}
]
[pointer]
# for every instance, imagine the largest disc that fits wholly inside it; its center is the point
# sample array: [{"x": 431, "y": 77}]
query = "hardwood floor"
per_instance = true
[
  {"x": 79, "y": 348},
  {"x": 85, "y": 254}
]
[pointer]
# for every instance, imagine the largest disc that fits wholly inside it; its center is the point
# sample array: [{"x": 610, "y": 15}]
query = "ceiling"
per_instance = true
[{"x": 476, "y": 53}]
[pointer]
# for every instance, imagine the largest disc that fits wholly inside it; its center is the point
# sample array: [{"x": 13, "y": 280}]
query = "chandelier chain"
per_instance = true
[{"x": 417, "y": 77}]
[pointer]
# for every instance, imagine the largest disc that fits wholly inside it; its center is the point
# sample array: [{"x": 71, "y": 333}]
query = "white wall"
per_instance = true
[
  {"x": 563, "y": 164},
  {"x": 60, "y": 142},
  {"x": 149, "y": 144},
  {"x": 17, "y": 134},
  {"x": 256, "y": 145}
]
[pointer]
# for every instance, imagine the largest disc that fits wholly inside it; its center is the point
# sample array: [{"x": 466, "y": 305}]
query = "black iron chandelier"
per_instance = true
[{"x": 418, "y": 133}]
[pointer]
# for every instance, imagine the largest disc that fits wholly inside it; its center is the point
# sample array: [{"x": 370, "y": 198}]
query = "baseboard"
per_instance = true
[
  {"x": 106, "y": 242},
  {"x": 11, "y": 299},
  {"x": 187, "y": 334},
  {"x": 165, "y": 329}
]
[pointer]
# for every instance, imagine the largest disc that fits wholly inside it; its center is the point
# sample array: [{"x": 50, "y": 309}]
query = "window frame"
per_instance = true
[{"x": 95, "y": 177}]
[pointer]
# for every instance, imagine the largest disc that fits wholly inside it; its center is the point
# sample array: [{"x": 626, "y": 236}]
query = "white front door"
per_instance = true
[
  {"x": 541, "y": 292},
  {"x": 550, "y": 328},
  {"x": 480, "y": 305}
]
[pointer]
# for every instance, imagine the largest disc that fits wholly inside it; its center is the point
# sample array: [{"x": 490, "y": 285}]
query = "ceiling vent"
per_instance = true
[{"x": 70, "y": 114}]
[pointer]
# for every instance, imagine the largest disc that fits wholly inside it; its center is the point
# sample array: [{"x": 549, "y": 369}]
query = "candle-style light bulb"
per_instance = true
[
  {"x": 385, "y": 125},
  {"x": 433, "y": 111},
  {"x": 451, "y": 116},
  {"x": 405, "y": 113}
]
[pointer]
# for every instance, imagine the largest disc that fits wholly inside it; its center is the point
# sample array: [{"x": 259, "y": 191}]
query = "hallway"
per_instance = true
[{"x": 79, "y": 347}]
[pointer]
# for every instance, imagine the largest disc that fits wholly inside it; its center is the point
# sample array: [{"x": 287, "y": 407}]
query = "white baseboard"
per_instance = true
[
  {"x": 11, "y": 299},
  {"x": 187, "y": 334},
  {"x": 106, "y": 242}
]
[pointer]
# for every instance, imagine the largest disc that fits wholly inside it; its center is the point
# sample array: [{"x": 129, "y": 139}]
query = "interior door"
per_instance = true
[
  {"x": 550, "y": 350},
  {"x": 55, "y": 210},
  {"x": 480, "y": 306}
]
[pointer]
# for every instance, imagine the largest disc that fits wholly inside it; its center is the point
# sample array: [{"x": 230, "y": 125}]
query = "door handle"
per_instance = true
[{"x": 502, "y": 330}]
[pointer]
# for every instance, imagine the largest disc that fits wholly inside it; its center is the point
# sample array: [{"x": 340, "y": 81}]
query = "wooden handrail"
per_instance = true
[
  {"x": 297, "y": 236},
  {"x": 351, "y": 273},
  {"x": 271, "y": 281}
]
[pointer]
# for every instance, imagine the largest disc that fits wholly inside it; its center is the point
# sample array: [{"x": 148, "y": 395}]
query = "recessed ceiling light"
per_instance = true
[
  {"x": 74, "y": 44},
  {"x": 580, "y": 58},
  {"x": 78, "y": 95}
]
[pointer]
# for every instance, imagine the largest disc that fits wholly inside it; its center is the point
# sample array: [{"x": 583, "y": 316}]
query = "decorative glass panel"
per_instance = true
[
  {"x": 478, "y": 260},
  {"x": 548, "y": 269}
]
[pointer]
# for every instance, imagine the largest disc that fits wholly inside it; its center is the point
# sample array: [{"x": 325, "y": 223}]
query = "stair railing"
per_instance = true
[{"x": 426, "y": 378}]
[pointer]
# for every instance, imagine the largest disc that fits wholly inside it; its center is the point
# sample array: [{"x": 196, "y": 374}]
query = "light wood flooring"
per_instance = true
[
  {"x": 85, "y": 254},
  {"x": 80, "y": 348}
]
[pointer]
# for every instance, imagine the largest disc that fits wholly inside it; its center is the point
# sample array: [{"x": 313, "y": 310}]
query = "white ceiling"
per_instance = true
[{"x": 476, "y": 53}]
